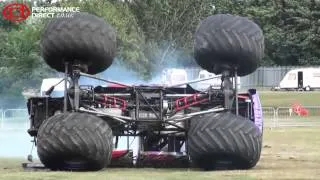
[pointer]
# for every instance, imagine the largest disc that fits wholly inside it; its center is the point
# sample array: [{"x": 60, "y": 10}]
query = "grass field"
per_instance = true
[
  {"x": 282, "y": 100},
  {"x": 287, "y": 154},
  {"x": 286, "y": 99}
]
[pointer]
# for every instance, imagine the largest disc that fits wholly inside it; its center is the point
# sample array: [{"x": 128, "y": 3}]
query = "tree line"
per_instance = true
[{"x": 159, "y": 33}]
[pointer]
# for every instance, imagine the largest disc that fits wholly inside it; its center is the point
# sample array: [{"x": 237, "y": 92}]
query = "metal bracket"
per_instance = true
[
  {"x": 227, "y": 89},
  {"x": 75, "y": 81},
  {"x": 65, "y": 99},
  {"x": 236, "y": 89}
]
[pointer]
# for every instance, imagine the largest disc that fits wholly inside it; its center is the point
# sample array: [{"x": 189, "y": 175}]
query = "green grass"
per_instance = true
[
  {"x": 286, "y": 99},
  {"x": 287, "y": 154}
]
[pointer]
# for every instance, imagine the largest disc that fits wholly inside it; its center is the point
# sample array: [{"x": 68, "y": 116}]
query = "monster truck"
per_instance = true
[{"x": 210, "y": 129}]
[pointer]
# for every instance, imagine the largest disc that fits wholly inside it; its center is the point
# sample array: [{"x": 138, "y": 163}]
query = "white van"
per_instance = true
[
  {"x": 48, "y": 83},
  {"x": 174, "y": 76},
  {"x": 214, "y": 83},
  {"x": 301, "y": 79}
]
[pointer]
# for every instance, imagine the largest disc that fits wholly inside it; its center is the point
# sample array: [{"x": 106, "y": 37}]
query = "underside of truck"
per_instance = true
[{"x": 175, "y": 125}]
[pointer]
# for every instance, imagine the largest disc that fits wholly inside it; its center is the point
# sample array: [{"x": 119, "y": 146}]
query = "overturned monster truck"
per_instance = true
[{"x": 175, "y": 125}]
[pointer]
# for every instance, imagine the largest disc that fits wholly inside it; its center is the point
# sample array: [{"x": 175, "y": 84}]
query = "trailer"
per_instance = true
[
  {"x": 302, "y": 79},
  {"x": 172, "y": 76},
  {"x": 214, "y": 81}
]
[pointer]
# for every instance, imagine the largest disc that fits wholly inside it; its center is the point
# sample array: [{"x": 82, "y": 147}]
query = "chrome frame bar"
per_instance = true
[
  {"x": 124, "y": 119},
  {"x": 187, "y": 116},
  {"x": 107, "y": 114},
  {"x": 97, "y": 78}
]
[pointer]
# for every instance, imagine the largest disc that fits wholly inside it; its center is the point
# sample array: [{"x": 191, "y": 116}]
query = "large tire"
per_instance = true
[
  {"x": 224, "y": 41},
  {"x": 84, "y": 37},
  {"x": 224, "y": 141},
  {"x": 75, "y": 141}
]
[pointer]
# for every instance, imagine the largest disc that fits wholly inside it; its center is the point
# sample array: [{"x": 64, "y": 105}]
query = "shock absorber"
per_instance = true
[
  {"x": 112, "y": 102},
  {"x": 186, "y": 102},
  {"x": 227, "y": 89}
]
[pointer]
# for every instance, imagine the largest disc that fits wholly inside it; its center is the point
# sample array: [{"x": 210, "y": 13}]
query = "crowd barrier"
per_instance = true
[{"x": 307, "y": 116}]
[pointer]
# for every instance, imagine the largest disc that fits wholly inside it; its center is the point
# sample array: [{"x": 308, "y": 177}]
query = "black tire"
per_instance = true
[
  {"x": 84, "y": 37},
  {"x": 75, "y": 141},
  {"x": 225, "y": 41},
  {"x": 224, "y": 141}
]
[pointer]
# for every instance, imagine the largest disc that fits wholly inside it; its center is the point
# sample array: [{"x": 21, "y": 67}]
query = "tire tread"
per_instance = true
[
  {"x": 84, "y": 37},
  {"x": 224, "y": 133},
  {"x": 79, "y": 134},
  {"x": 228, "y": 40}
]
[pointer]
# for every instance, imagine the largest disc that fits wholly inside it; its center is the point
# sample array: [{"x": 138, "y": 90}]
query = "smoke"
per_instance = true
[
  {"x": 10, "y": 102},
  {"x": 114, "y": 73},
  {"x": 161, "y": 60},
  {"x": 120, "y": 74}
]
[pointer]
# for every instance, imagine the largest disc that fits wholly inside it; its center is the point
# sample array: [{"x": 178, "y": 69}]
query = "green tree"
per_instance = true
[
  {"x": 22, "y": 66},
  {"x": 301, "y": 23},
  {"x": 291, "y": 29},
  {"x": 153, "y": 34},
  {"x": 130, "y": 38},
  {"x": 168, "y": 27}
]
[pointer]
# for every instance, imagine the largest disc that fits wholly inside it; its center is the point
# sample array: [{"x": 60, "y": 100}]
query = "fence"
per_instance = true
[
  {"x": 287, "y": 117},
  {"x": 14, "y": 119}
]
